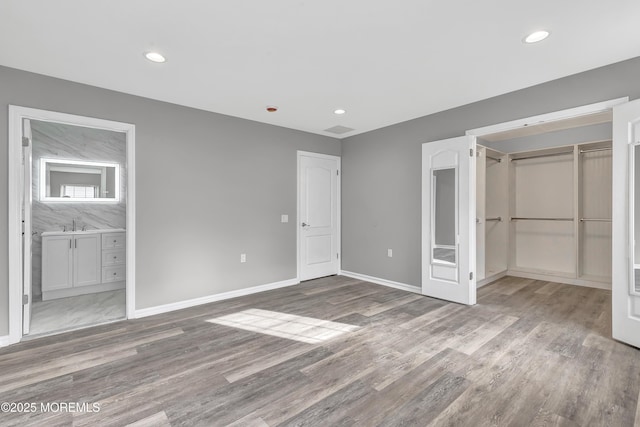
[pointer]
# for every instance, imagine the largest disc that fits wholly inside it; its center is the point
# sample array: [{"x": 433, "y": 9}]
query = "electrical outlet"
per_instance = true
[
  {"x": 243, "y": 257},
  {"x": 390, "y": 253}
]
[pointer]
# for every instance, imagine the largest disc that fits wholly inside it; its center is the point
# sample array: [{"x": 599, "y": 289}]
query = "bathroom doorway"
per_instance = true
[{"x": 74, "y": 265}]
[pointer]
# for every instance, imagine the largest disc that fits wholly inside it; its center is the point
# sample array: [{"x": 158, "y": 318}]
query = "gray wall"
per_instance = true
[
  {"x": 381, "y": 193},
  {"x": 60, "y": 141},
  {"x": 208, "y": 187}
]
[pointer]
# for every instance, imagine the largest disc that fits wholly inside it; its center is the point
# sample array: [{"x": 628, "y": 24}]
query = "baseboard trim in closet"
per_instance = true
[
  {"x": 165, "y": 308},
  {"x": 491, "y": 279},
  {"x": 4, "y": 341},
  {"x": 556, "y": 279},
  {"x": 383, "y": 282}
]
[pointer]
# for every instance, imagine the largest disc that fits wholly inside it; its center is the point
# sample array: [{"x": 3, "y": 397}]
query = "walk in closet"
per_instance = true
[{"x": 545, "y": 214}]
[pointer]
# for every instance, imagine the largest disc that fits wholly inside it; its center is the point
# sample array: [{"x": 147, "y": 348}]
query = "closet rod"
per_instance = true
[
  {"x": 498, "y": 218},
  {"x": 543, "y": 155},
  {"x": 596, "y": 149},
  {"x": 595, "y": 219},
  {"x": 495, "y": 159},
  {"x": 517, "y": 218}
]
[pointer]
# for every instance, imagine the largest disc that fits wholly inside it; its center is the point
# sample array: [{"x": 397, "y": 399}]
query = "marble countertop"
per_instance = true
[{"x": 100, "y": 231}]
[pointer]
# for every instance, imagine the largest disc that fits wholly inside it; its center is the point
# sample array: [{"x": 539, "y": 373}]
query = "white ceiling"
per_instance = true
[{"x": 383, "y": 61}]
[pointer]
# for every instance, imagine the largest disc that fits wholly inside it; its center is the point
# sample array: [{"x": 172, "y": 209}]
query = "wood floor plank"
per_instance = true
[
  {"x": 637, "y": 419},
  {"x": 529, "y": 353},
  {"x": 159, "y": 419}
]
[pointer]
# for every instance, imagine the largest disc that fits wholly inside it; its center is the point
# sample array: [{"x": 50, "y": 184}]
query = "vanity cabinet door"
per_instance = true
[
  {"x": 87, "y": 257},
  {"x": 57, "y": 262}
]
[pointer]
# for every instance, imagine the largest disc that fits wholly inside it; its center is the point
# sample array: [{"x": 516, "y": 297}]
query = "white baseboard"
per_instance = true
[
  {"x": 144, "y": 312},
  {"x": 491, "y": 279},
  {"x": 82, "y": 290},
  {"x": 383, "y": 282},
  {"x": 4, "y": 341},
  {"x": 558, "y": 279}
]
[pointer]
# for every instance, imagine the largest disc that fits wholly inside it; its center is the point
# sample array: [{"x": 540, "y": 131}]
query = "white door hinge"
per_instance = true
[
  {"x": 25, "y": 299},
  {"x": 470, "y": 152},
  {"x": 471, "y": 275}
]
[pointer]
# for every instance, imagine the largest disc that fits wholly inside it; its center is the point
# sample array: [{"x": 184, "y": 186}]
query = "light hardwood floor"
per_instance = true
[{"x": 530, "y": 353}]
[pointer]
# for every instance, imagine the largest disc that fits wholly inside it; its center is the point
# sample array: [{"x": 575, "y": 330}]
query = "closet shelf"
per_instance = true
[{"x": 519, "y": 218}]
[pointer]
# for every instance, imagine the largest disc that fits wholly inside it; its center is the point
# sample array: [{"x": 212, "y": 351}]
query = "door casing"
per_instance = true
[{"x": 16, "y": 116}]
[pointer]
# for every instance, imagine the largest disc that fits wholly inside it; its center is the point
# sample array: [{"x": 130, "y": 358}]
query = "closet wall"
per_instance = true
[
  {"x": 492, "y": 212},
  {"x": 542, "y": 205},
  {"x": 555, "y": 206},
  {"x": 594, "y": 212}
]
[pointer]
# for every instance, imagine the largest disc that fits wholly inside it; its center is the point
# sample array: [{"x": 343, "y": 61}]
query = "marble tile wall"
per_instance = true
[{"x": 55, "y": 140}]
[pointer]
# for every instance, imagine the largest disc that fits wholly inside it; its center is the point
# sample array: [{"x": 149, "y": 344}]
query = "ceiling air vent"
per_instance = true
[{"x": 339, "y": 129}]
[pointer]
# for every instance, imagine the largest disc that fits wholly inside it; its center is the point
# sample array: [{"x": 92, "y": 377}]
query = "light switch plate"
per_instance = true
[
  {"x": 390, "y": 253},
  {"x": 243, "y": 257},
  {"x": 284, "y": 218}
]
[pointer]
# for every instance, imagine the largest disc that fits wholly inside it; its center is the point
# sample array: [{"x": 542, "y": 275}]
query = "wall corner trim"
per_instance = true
[
  {"x": 165, "y": 308},
  {"x": 383, "y": 282}
]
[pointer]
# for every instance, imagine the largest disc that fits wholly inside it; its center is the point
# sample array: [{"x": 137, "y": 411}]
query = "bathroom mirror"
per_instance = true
[
  {"x": 79, "y": 181},
  {"x": 444, "y": 215}
]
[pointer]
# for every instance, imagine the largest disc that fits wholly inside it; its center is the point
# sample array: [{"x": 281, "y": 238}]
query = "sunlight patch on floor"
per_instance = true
[{"x": 283, "y": 325}]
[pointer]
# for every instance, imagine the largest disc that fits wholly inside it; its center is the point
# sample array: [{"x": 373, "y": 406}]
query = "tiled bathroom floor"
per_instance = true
[{"x": 75, "y": 312}]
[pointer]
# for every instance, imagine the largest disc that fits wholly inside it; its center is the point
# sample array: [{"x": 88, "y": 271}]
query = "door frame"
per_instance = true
[
  {"x": 26, "y": 200},
  {"x": 554, "y": 116},
  {"x": 570, "y": 113},
  {"x": 299, "y": 154},
  {"x": 16, "y": 115}
]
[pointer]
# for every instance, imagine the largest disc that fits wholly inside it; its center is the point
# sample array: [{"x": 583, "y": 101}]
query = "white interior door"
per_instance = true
[
  {"x": 449, "y": 219},
  {"x": 625, "y": 286},
  {"x": 25, "y": 201},
  {"x": 318, "y": 220}
]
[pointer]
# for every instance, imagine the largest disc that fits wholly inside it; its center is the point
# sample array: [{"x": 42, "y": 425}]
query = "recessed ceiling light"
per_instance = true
[
  {"x": 536, "y": 36},
  {"x": 154, "y": 57},
  {"x": 339, "y": 111}
]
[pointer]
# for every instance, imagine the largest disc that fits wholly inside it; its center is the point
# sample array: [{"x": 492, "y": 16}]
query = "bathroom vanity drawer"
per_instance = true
[
  {"x": 113, "y": 257},
  {"x": 113, "y": 274},
  {"x": 114, "y": 240}
]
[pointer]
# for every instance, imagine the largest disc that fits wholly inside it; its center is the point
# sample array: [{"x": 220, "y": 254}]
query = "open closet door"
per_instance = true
[
  {"x": 448, "y": 219},
  {"x": 26, "y": 226},
  {"x": 625, "y": 284}
]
